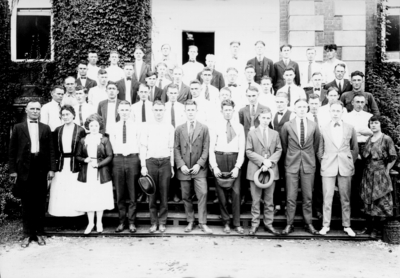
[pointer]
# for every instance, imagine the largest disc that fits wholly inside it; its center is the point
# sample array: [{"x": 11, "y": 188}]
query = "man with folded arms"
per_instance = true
[
  {"x": 157, "y": 160},
  {"x": 125, "y": 141},
  {"x": 264, "y": 150},
  {"x": 227, "y": 147},
  {"x": 192, "y": 143},
  {"x": 338, "y": 151}
]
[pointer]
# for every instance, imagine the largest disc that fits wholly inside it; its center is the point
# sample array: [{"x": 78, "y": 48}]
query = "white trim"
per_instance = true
[{"x": 383, "y": 32}]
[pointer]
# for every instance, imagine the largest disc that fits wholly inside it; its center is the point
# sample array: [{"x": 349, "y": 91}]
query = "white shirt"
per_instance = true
[
  {"x": 324, "y": 115},
  {"x": 138, "y": 69},
  {"x": 341, "y": 82},
  {"x": 34, "y": 135},
  {"x": 212, "y": 91},
  {"x": 310, "y": 116},
  {"x": 219, "y": 142},
  {"x": 128, "y": 88},
  {"x": 190, "y": 71},
  {"x": 337, "y": 133},
  {"x": 269, "y": 101},
  {"x": 50, "y": 115},
  {"x": 66, "y": 139},
  {"x": 110, "y": 116},
  {"x": 115, "y": 73},
  {"x": 157, "y": 141},
  {"x": 238, "y": 95},
  {"x": 203, "y": 107},
  {"x": 180, "y": 116},
  {"x": 69, "y": 99},
  {"x": 359, "y": 120},
  {"x": 96, "y": 95},
  {"x": 164, "y": 82},
  {"x": 315, "y": 67},
  {"x": 87, "y": 110},
  {"x": 132, "y": 144},
  {"x": 298, "y": 122},
  {"x": 136, "y": 114},
  {"x": 295, "y": 93},
  {"x": 92, "y": 72},
  {"x": 328, "y": 70}
]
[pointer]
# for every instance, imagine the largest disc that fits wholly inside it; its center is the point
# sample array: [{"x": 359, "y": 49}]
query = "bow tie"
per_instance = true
[
  {"x": 317, "y": 89},
  {"x": 235, "y": 57},
  {"x": 280, "y": 113},
  {"x": 33, "y": 122},
  {"x": 232, "y": 85},
  {"x": 192, "y": 61},
  {"x": 129, "y": 78},
  {"x": 82, "y": 77},
  {"x": 336, "y": 124}
]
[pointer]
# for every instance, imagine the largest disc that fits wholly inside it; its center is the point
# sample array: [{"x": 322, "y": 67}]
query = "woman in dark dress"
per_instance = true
[{"x": 376, "y": 186}]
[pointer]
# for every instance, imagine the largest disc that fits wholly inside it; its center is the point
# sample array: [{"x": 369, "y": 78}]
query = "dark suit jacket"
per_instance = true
[
  {"x": 217, "y": 79},
  {"x": 346, "y": 86},
  {"x": 145, "y": 69},
  {"x": 268, "y": 67},
  {"x": 279, "y": 68},
  {"x": 245, "y": 120},
  {"x": 322, "y": 96},
  {"x": 184, "y": 94},
  {"x": 102, "y": 111},
  {"x": 20, "y": 151},
  {"x": 90, "y": 83},
  {"x": 296, "y": 155},
  {"x": 199, "y": 154},
  {"x": 122, "y": 90}
]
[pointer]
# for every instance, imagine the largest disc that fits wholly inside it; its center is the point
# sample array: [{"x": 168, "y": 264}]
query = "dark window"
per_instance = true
[
  {"x": 393, "y": 39},
  {"x": 33, "y": 36},
  {"x": 203, "y": 40}
]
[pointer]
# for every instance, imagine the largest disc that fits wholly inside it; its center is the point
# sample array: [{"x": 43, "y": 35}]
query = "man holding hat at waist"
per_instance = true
[
  {"x": 227, "y": 146},
  {"x": 264, "y": 150}
]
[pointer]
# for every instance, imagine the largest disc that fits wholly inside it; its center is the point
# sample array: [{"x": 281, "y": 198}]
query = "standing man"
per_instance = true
[
  {"x": 234, "y": 59},
  {"x": 300, "y": 139},
  {"x": 329, "y": 66},
  {"x": 99, "y": 93},
  {"x": 309, "y": 68},
  {"x": 115, "y": 73},
  {"x": 167, "y": 60},
  {"x": 192, "y": 142},
  {"x": 293, "y": 91},
  {"x": 142, "y": 111},
  {"x": 338, "y": 151},
  {"x": 162, "y": 78},
  {"x": 82, "y": 109},
  {"x": 32, "y": 163},
  {"x": 264, "y": 150},
  {"x": 237, "y": 91},
  {"x": 217, "y": 79},
  {"x": 125, "y": 141},
  {"x": 50, "y": 112},
  {"x": 155, "y": 93},
  {"x": 202, "y": 105},
  {"x": 208, "y": 91},
  {"x": 281, "y": 66},
  {"x": 82, "y": 78},
  {"x": 192, "y": 67},
  {"x": 108, "y": 109},
  {"x": 69, "y": 96},
  {"x": 324, "y": 115},
  {"x": 157, "y": 160},
  {"x": 174, "y": 111},
  {"x": 127, "y": 87},
  {"x": 262, "y": 65},
  {"x": 227, "y": 147},
  {"x": 250, "y": 73},
  {"x": 317, "y": 88},
  {"x": 340, "y": 83},
  {"x": 92, "y": 68},
  {"x": 184, "y": 90},
  {"x": 267, "y": 98},
  {"x": 357, "y": 80}
]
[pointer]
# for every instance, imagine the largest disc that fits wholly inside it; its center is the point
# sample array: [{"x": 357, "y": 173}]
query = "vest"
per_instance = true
[{"x": 285, "y": 118}]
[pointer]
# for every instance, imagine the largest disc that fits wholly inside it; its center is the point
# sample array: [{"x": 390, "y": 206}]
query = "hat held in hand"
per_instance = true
[
  {"x": 147, "y": 184},
  {"x": 225, "y": 181},
  {"x": 265, "y": 179}
]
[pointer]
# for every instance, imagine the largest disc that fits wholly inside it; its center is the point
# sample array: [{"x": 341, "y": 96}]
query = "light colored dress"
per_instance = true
[{"x": 64, "y": 186}]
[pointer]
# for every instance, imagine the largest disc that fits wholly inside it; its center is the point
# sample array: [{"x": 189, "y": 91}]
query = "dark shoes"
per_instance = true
[
  {"x": 253, "y": 231},
  {"x": 365, "y": 231},
  {"x": 288, "y": 230},
  {"x": 189, "y": 227},
  {"x": 309, "y": 228},
  {"x": 270, "y": 229},
  {"x": 120, "y": 228},
  {"x": 132, "y": 228},
  {"x": 25, "y": 242},
  {"x": 41, "y": 241}
]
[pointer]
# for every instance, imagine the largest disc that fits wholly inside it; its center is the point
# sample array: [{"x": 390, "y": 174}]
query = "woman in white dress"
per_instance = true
[
  {"x": 64, "y": 186},
  {"x": 95, "y": 155}
]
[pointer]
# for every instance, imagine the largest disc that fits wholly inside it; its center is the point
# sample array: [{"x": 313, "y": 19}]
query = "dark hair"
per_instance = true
[
  {"x": 232, "y": 68},
  {"x": 252, "y": 88},
  {"x": 102, "y": 71},
  {"x": 112, "y": 83},
  {"x": 329, "y": 47},
  {"x": 194, "y": 82},
  {"x": 257, "y": 42},
  {"x": 190, "y": 102},
  {"x": 382, "y": 119},
  {"x": 158, "y": 102},
  {"x": 172, "y": 86},
  {"x": 357, "y": 73},
  {"x": 94, "y": 117},
  {"x": 358, "y": 95},
  {"x": 332, "y": 89},
  {"x": 57, "y": 87},
  {"x": 206, "y": 69},
  {"x": 82, "y": 62},
  {"x": 341, "y": 65},
  {"x": 227, "y": 102},
  {"x": 68, "y": 108},
  {"x": 313, "y": 96},
  {"x": 301, "y": 99},
  {"x": 232, "y": 42},
  {"x": 265, "y": 111},
  {"x": 248, "y": 66},
  {"x": 289, "y": 69},
  {"x": 81, "y": 88},
  {"x": 337, "y": 102},
  {"x": 285, "y": 45},
  {"x": 151, "y": 73}
]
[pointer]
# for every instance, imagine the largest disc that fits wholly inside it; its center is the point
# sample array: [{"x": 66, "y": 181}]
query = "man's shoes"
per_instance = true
[
  {"x": 310, "y": 229},
  {"x": 227, "y": 229},
  {"x": 41, "y": 241},
  {"x": 132, "y": 228},
  {"x": 239, "y": 230},
  {"x": 270, "y": 229},
  {"x": 120, "y": 228},
  {"x": 365, "y": 231},
  {"x": 349, "y": 231},
  {"x": 324, "y": 231},
  {"x": 205, "y": 229},
  {"x": 253, "y": 231},
  {"x": 189, "y": 227},
  {"x": 162, "y": 228},
  {"x": 25, "y": 242},
  {"x": 153, "y": 228},
  {"x": 288, "y": 230}
]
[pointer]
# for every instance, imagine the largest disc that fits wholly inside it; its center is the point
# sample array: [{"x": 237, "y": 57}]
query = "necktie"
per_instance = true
[
  {"x": 172, "y": 114},
  {"x": 252, "y": 114},
  {"x": 80, "y": 115},
  {"x": 129, "y": 79},
  {"x": 249, "y": 84},
  {"x": 288, "y": 96},
  {"x": 207, "y": 93},
  {"x": 315, "y": 118},
  {"x": 192, "y": 61},
  {"x": 230, "y": 133},
  {"x": 124, "y": 133},
  {"x": 265, "y": 137},
  {"x": 309, "y": 71},
  {"x": 143, "y": 111},
  {"x": 33, "y": 122},
  {"x": 280, "y": 113},
  {"x": 301, "y": 132},
  {"x": 160, "y": 83},
  {"x": 83, "y": 77},
  {"x": 59, "y": 105},
  {"x": 191, "y": 131},
  {"x": 317, "y": 89},
  {"x": 336, "y": 124},
  {"x": 232, "y": 85},
  {"x": 151, "y": 95},
  {"x": 340, "y": 87}
]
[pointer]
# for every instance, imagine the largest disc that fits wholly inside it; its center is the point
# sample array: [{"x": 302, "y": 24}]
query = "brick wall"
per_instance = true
[{"x": 284, "y": 26}]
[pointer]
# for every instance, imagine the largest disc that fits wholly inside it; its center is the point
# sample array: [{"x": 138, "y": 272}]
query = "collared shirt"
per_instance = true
[
  {"x": 179, "y": 109},
  {"x": 136, "y": 113},
  {"x": 212, "y": 91},
  {"x": 92, "y": 72},
  {"x": 280, "y": 116},
  {"x": 69, "y": 99},
  {"x": 203, "y": 106},
  {"x": 341, "y": 82},
  {"x": 132, "y": 144},
  {"x": 190, "y": 71},
  {"x": 96, "y": 95},
  {"x": 34, "y": 135},
  {"x": 164, "y": 82},
  {"x": 128, "y": 88},
  {"x": 50, "y": 115},
  {"x": 359, "y": 120},
  {"x": 111, "y": 107},
  {"x": 370, "y": 103},
  {"x": 157, "y": 141},
  {"x": 337, "y": 133},
  {"x": 138, "y": 69},
  {"x": 324, "y": 115},
  {"x": 298, "y": 122},
  {"x": 315, "y": 67},
  {"x": 269, "y": 101},
  {"x": 87, "y": 110},
  {"x": 151, "y": 93},
  {"x": 295, "y": 93},
  {"x": 83, "y": 80},
  {"x": 328, "y": 69},
  {"x": 115, "y": 73},
  {"x": 188, "y": 123},
  {"x": 219, "y": 142}
]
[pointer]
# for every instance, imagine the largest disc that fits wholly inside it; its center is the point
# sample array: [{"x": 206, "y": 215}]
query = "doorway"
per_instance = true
[{"x": 203, "y": 40}]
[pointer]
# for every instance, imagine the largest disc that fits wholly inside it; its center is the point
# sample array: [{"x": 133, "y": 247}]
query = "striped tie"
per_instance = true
[
  {"x": 124, "y": 133},
  {"x": 301, "y": 132}
]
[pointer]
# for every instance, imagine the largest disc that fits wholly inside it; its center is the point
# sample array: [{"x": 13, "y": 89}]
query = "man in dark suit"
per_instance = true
[
  {"x": 184, "y": 90},
  {"x": 154, "y": 92},
  {"x": 300, "y": 139},
  {"x": 340, "y": 83},
  {"x": 127, "y": 87},
  {"x": 262, "y": 65},
  {"x": 108, "y": 108},
  {"x": 317, "y": 89},
  {"x": 217, "y": 79},
  {"x": 192, "y": 142},
  {"x": 32, "y": 162},
  {"x": 286, "y": 62},
  {"x": 82, "y": 78}
]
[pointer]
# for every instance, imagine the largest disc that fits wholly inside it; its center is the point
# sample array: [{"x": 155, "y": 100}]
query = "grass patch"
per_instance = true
[{"x": 10, "y": 231}]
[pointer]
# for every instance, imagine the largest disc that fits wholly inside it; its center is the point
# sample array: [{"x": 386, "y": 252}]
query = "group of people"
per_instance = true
[{"x": 266, "y": 137}]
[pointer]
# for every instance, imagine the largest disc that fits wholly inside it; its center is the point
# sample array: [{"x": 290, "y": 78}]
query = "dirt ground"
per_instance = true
[{"x": 199, "y": 257}]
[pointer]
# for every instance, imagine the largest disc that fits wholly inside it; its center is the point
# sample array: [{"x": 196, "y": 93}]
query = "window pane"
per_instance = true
[
  {"x": 33, "y": 36},
  {"x": 393, "y": 43}
]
